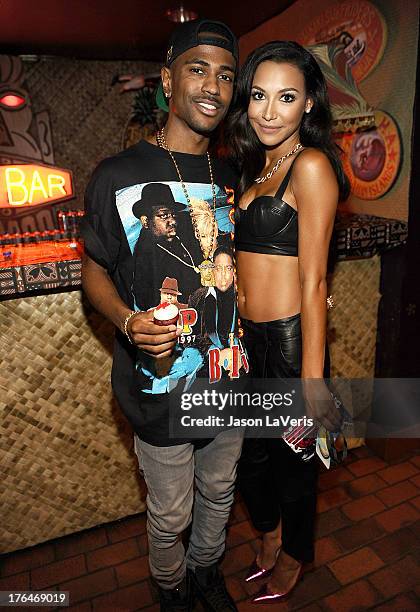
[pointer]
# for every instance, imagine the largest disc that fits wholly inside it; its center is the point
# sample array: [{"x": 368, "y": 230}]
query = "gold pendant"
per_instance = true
[{"x": 206, "y": 273}]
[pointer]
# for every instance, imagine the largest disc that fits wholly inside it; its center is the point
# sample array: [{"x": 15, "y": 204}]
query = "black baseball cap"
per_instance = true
[{"x": 192, "y": 34}]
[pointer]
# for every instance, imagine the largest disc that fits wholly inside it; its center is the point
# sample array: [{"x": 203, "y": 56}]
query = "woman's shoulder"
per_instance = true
[
  {"x": 313, "y": 176},
  {"x": 312, "y": 166},
  {"x": 312, "y": 162}
]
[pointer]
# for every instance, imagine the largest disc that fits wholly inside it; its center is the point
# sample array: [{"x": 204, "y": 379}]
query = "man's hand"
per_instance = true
[
  {"x": 320, "y": 404},
  {"x": 155, "y": 340}
]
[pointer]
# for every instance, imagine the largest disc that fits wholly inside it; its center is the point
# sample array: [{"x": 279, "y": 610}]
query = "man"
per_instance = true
[
  {"x": 169, "y": 292},
  {"x": 215, "y": 329},
  {"x": 157, "y": 210},
  {"x": 159, "y": 243},
  {"x": 223, "y": 269},
  {"x": 197, "y": 81}
]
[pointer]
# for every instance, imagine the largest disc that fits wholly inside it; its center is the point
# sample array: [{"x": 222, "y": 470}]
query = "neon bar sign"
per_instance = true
[{"x": 33, "y": 184}]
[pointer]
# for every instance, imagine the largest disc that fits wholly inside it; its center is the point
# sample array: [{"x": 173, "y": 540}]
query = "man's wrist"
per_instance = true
[{"x": 124, "y": 325}]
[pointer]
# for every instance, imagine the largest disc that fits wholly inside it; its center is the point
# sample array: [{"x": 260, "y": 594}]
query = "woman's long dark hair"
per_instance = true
[{"x": 316, "y": 126}]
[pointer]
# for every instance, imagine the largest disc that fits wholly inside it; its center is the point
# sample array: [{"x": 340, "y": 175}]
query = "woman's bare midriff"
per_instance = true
[{"x": 268, "y": 286}]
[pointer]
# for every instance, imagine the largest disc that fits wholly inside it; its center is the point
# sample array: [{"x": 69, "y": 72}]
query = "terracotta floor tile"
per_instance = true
[
  {"x": 237, "y": 559},
  {"x": 398, "y": 517},
  {"x": 397, "y": 493},
  {"x": 398, "y": 472},
  {"x": 129, "y": 599},
  {"x": 127, "y": 528},
  {"x": 415, "y": 528},
  {"x": 362, "y": 452},
  {"x": 355, "y": 565},
  {"x": 59, "y": 571},
  {"x": 416, "y": 502},
  {"x": 240, "y": 533},
  {"x": 416, "y": 460},
  {"x": 330, "y": 521},
  {"x": 132, "y": 571},
  {"x": 313, "y": 607},
  {"x": 363, "y": 508},
  {"x": 71, "y": 545},
  {"x": 21, "y": 560},
  {"x": 365, "y": 485},
  {"x": 143, "y": 545},
  {"x": 82, "y": 607},
  {"x": 359, "y": 534},
  {"x": 235, "y": 586},
  {"x": 362, "y": 467},
  {"x": 402, "y": 603},
  {"x": 331, "y": 478},
  {"x": 401, "y": 576},
  {"x": 17, "y": 582},
  {"x": 315, "y": 586},
  {"x": 332, "y": 498},
  {"x": 395, "y": 545},
  {"x": 112, "y": 554},
  {"x": 89, "y": 586},
  {"x": 326, "y": 549},
  {"x": 357, "y": 596}
]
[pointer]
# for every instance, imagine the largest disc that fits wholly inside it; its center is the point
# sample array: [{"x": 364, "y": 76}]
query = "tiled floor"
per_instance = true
[{"x": 367, "y": 554}]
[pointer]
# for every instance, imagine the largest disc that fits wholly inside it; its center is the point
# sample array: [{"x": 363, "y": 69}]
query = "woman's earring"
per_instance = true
[
  {"x": 308, "y": 110},
  {"x": 168, "y": 94}
]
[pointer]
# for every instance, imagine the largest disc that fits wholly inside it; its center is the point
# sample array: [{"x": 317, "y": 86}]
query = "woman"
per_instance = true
[{"x": 291, "y": 181}]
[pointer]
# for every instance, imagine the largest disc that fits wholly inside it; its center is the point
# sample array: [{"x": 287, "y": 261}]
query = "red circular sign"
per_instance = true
[
  {"x": 358, "y": 26},
  {"x": 372, "y": 158}
]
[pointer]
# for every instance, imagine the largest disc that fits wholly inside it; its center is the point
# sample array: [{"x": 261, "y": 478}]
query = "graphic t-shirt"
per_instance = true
[{"x": 139, "y": 227}]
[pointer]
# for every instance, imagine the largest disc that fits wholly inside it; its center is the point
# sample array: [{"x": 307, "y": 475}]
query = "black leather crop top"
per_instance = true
[{"x": 269, "y": 224}]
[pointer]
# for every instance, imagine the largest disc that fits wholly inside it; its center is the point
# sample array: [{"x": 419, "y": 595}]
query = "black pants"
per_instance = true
[{"x": 273, "y": 480}]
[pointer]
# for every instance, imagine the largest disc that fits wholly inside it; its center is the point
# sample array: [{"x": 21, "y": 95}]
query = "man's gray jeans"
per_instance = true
[{"x": 184, "y": 484}]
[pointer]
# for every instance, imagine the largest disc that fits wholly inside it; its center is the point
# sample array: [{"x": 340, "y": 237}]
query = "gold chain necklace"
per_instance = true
[
  {"x": 206, "y": 267},
  {"x": 277, "y": 165},
  {"x": 191, "y": 265}
]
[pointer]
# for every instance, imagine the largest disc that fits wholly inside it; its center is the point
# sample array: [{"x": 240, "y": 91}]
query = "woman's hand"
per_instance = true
[{"x": 320, "y": 405}]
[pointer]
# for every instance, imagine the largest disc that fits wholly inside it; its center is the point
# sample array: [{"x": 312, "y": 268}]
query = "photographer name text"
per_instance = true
[{"x": 267, "y": 421}]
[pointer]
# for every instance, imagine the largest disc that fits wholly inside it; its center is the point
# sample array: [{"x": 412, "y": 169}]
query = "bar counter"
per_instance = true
[{"x": 66, "y": 449}]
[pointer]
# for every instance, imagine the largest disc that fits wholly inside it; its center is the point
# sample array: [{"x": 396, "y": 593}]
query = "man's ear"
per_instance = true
[
  {"x": 144, "y": 221},
  {"x": 165, "y": 74}
]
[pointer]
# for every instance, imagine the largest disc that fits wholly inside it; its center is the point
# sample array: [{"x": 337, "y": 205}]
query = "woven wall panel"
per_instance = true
[
  {"x": 352, "y": 333},
  {"x": 353, "y": 321},
  {"x": 88, "y": 115},
  {"x": 66, "y": 451}
]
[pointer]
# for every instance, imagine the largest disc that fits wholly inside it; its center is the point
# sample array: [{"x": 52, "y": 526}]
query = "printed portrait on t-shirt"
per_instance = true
[{"x": 180, "y": 257}]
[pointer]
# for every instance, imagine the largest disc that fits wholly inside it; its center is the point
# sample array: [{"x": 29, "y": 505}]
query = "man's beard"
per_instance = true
[{"x": 196, "y": 126}]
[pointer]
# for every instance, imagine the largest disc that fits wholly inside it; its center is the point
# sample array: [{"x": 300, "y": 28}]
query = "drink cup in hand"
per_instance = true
[{"x": 165, "y": 314}]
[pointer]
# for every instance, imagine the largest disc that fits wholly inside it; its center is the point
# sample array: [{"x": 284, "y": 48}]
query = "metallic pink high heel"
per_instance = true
[
  {"x": 264, "y": 596},
  {"x": 255, "y": 572}
]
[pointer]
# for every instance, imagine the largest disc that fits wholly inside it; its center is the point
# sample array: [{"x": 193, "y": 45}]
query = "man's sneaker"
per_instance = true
[
  {"x": 209, "y": 585},
  {"x": 177, "y": 599}
]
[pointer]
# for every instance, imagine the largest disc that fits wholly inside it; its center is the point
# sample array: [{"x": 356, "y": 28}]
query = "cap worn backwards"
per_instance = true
[{"x": 192, "y": 34}]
